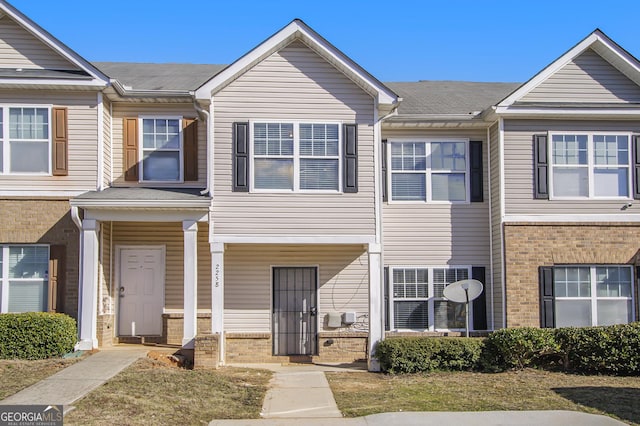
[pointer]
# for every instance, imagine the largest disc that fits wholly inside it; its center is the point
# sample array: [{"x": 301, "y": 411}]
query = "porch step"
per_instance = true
[
  {"x": 139, "y": 340},
  {"x": 300, "y": 359}
]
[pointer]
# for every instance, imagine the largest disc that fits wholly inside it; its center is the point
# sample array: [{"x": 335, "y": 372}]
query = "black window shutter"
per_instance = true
[
  {"x": 547, "y": 302},
  {"x": 475, "y": 152},
  {"x": 386, "y": 298},
  {"x": 480, "y": 304},
  {"x": 350, "y": 157},
  {"x": 384, "y": 175},
  {"x": 541, "y": 167},
  {"x": 241, "y": 157},
  {"x": 636, "y": 167}
]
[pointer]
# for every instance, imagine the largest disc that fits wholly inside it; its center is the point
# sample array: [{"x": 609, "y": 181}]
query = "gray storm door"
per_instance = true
[{"x": 295, "y": 330}]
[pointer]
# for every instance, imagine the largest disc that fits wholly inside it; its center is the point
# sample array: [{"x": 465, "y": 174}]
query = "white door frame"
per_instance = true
[{"x": 117, "y": 273}]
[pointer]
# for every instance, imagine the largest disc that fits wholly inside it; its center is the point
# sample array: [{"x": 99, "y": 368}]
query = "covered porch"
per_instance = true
[{"x": 145, "y": 266}]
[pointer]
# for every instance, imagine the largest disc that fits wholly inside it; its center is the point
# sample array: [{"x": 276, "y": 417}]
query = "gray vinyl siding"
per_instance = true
[
  {"x": 587, "y": 78},
  {"x": 20, "y": 49},
  {"x": 518, "y": 153},
  {"x": 171, "y": 236},
  {"x": 293, "y": 84},
  {"x": 82, "y": 147},
  {"x": 496, "y": 227},
  {"x": 132, "y": 110},
  {"x": 106, "y": 129},
  {"x": 343, "y": 282},
  {"x": 437, "y": 234}
]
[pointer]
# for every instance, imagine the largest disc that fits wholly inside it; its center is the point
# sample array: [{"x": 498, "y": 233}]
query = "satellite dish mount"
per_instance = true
[{"x": 463, "y": 291}]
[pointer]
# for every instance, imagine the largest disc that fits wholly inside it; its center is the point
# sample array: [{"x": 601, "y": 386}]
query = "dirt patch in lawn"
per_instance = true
[
  {"x": 16, "y": 375},
  {"x": 359, "y": 394},
  {"x": 151, "y": 392}
]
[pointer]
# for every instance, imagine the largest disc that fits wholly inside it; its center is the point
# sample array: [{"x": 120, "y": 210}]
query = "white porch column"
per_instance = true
[
  {"x": 217, "y": 294},
  {"x": 376, "y": 319},
  {"x": 88, "y": 297},
  {"x": 190, "y": 230}
]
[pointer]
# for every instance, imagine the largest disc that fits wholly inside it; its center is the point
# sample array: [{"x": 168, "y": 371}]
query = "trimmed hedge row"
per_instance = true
[
  {"x": 596, "y": 350},
  {"x": 36, "y": 335},
  {"x": 419, "y": 354}
]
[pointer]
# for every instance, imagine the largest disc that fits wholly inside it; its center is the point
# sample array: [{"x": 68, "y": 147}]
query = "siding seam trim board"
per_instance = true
[
  {"x": 490, "y": 224},
  {"x": 502, "y": 216}
]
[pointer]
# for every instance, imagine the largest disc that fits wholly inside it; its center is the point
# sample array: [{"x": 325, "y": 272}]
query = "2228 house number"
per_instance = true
[{"x": 217, "y": 275}]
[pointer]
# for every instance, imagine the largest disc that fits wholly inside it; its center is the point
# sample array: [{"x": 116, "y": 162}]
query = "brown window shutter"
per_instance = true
[
  {"x": 60, "y": 143},
  {"x": 190, "y": 145},
  {"x": 56, "y": 279},
  {"x": 130, "y": 149}
]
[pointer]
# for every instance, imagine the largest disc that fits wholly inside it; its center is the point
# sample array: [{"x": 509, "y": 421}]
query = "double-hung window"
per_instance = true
[
  {"x": 161, "y": 149},
  {"x": 296, "y": 156},
  {"x": 593, "y": 295},
  {"x": 429, "y": 171},
  {"x": 590, "y": 165},
  {"x": 24, "y": 278},
  {"x": 417, "y": 300},
  {"x": 25, "y": 140}
]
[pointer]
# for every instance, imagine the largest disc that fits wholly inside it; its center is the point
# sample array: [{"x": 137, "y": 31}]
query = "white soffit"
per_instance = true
[
  {"x": 298, "y": 30},
  {"x": 601, "y": 44}
]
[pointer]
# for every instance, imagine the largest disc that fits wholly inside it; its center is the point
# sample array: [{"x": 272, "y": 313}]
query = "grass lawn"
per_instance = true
[
  {"x": 359, "y": 394},
  {"x": 150, "y": 393},
  {"x": 16, "y": 375}
]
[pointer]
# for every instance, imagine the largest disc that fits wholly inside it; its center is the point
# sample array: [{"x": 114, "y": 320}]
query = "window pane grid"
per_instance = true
[
  {"x": 27, "y": 278},
  {"x": 439, "y": 166},
  {"x": 591, "y": 165},
  {"x": 296, "y": 156},
  {"x": 28, "y": 140},
  {"x": 161, "y": 149},
  {"x": 593, "y": 295}
]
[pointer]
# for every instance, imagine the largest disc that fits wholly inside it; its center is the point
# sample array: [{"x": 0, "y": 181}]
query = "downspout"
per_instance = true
[
  {"x": 493, "y": 320},
  {"x": 75, "y": 216},
  {"x": 206, "y": 116},
  {"x": 100, "y": 171}
]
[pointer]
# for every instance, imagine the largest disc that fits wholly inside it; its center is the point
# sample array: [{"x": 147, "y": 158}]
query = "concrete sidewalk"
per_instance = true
[
  {"x": 432, "y": 418},
  {"x": 77, "y": 380}
]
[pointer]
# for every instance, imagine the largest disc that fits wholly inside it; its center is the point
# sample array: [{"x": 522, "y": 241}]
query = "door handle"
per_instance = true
[
  {"x": 313, "y": 311},
  {"x": 121, "y": 291}
]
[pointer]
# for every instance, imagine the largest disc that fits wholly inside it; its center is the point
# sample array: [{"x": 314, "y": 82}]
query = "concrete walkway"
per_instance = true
[{"x": 77, "y": 380}]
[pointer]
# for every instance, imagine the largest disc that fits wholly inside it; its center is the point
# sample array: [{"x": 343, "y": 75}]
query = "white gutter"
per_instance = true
[
  {"x": 76, "y": 219},
  {"x": 493, "y": 321},
  {"x": 159, "y": 204},
  {"x": 207, "y": 116},
  {"x": 502, "y": 215},
  {"x": 100, "y": 171}
]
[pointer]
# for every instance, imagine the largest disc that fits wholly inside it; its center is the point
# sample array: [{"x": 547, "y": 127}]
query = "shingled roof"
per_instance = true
[
  {"x": 449, "y": 97},
  {"x": 146, "y": 76},
  {"x": 419, "y": 98}
]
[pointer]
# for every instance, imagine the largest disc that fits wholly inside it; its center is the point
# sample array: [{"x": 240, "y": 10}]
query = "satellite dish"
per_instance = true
[{"x": 463, "y": 291}]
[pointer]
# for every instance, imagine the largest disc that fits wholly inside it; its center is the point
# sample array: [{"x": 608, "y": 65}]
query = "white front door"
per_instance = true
[{"x": 141, "y": 289}]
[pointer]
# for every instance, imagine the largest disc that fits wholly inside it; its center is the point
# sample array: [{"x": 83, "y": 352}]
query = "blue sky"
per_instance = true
[{"x": 490, "y": 40}]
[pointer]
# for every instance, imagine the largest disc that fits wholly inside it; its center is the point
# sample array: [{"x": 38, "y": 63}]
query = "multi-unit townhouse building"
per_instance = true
[{"x": 290, "y": 204}]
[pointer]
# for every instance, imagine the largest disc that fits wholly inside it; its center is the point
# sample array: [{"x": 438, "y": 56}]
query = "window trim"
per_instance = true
[
  {"x": 430, "y": 299},
  {"x": 296, "y": 158},
  {"x": 141, "y": 148},
  {"x": 590, "y": 165},
  {"x": 6, "y": 152},
  {"x": 428, "y": 173},
  {"x": 4, "y": 275},
  {"x": 593, "y": 288}
]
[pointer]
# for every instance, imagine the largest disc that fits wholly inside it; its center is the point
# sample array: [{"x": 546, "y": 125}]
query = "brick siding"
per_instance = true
[{"x": 531, "y": 245}]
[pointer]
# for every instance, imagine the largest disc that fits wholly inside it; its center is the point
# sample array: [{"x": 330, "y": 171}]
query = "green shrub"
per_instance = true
[
  {"x": 608, "y": 350},
  {"x": 422, "y": 354},
  {"x": 519, "y": 348},
  {"x": 36, "y": 335}
]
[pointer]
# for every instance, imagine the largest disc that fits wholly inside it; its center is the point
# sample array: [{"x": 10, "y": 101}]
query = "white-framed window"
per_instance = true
[
  {"x": 429, "y": 171},
  {"x": 593, "y": 295},
  {"x": 25, "y": 140},
  {"x": 24, "y": 278},
  {"x": 417, "y": 301},
  {"x": 590, "y": 165},
  {"x": 161, "y": 149},
  {"x": 296, "y": 156}
]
